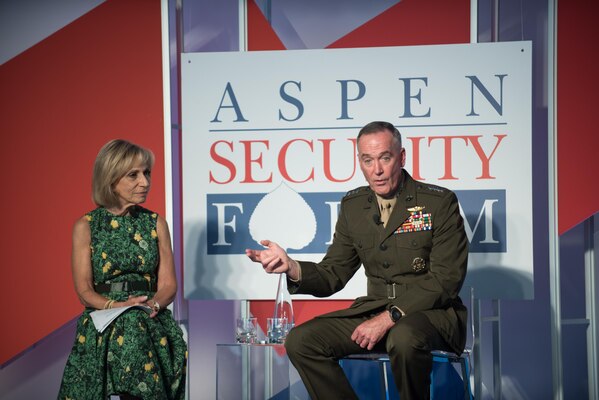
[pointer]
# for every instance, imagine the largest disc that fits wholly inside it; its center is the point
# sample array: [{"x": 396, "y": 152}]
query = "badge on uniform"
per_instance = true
[
  {"x": 418, "y": 264},
  {"x": 417, "y": 221}
]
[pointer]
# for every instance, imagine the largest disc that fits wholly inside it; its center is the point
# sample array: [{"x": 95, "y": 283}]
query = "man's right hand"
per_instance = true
[
  {"x": 274, "y": 259},
  {"x": 370, "y": 332}
]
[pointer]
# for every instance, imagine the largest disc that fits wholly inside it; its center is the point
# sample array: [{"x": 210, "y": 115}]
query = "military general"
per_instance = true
[{"x": 410, "y": 238}]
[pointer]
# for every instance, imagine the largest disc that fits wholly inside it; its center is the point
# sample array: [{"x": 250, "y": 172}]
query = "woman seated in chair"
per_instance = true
[{"x": 122, "y": 256}]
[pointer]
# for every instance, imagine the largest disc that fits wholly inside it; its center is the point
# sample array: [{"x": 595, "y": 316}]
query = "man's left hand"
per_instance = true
[{"x": 369, "y": 332}]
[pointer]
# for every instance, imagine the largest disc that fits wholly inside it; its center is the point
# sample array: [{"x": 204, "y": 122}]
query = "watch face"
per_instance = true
[{"x": 395, "y": 314}]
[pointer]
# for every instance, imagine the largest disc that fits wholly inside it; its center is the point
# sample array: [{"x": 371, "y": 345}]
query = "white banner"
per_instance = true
[{"x": 269, "y": 151}]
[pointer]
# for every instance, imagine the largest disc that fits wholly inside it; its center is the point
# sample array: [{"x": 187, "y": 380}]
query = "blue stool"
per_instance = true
[
  {"x": 448, "y": 358},
  {"x": 363, "y": 370}
]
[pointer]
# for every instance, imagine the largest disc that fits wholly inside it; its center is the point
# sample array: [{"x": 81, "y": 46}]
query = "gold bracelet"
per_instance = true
[
  {"x": 156, "y": 306},
  {"x": 107, "y": 304},
  {"x": 111, "y": 304}
]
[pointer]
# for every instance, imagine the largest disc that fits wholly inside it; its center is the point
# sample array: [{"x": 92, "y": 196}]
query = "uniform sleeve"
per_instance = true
[
  {"x": 337, "y": 267},
  {"x": 448, "y": 262}
]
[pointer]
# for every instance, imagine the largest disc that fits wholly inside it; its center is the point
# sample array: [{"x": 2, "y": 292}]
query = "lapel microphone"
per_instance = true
[{"x": 377, "y": 219}]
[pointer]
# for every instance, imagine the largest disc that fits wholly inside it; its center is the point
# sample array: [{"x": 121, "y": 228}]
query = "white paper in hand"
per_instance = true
[{"x": 103, "y": 318}]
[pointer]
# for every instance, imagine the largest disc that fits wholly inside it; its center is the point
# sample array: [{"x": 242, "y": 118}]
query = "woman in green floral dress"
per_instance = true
[{"x": 121, "y": 257}]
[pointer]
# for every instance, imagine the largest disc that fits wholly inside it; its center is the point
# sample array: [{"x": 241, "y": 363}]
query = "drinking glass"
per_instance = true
[
  {"x": 277, "y": 329},
  {"x": 246, "y": 331}
]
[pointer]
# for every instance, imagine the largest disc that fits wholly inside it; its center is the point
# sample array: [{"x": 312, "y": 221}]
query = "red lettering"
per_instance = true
[
  {"x": 247, "y": 144},
  {"x": 326, "y": 158},
  {"x": 416, "y": 157},
  {"x": 447, "y": 152},
  {"x": 486, "y": 161},
  {"x": 283, "y": 165},
  {"x": 222, "y": 161}
]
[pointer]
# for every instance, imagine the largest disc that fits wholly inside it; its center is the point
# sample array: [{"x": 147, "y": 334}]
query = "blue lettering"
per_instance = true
[
  {"x": 234, "y": 104},
  {"x": 408, "y": 97},
  {"x": 344, "y": 95},
  {"x": 291, "y": 100},
  {"x": 497, "y": 105}
]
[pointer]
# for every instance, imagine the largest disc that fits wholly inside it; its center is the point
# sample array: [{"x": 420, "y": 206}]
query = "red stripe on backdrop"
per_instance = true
[
  {"x": 261, "y": 36},
  {"x": 413, "y": 22},
  {"x": 96, "y": 79},
  {"x": 577, "y": 143},
  {"x": 410, "y": 22}
]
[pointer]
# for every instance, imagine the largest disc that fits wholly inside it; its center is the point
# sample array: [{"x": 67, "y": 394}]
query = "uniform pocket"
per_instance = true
[
  {"x": 363, "y": 245},
  {"x": 412, "y": 251}
]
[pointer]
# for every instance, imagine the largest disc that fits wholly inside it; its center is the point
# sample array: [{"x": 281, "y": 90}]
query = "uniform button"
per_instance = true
[
  {"x": 383, "y": 246},
  {"x": 386, "y": 265},
  {"x": 414, "y": 243}
]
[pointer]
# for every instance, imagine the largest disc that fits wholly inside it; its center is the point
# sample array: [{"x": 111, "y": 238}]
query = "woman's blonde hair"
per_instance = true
[{"x": 114, "y": 160}]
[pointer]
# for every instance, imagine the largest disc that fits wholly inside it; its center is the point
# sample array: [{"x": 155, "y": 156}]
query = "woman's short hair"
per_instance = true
[{"x": 114, "y": 160}]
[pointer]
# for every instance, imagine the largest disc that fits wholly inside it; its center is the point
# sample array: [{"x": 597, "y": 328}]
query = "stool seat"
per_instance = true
[{"x": 381, "y": 371}]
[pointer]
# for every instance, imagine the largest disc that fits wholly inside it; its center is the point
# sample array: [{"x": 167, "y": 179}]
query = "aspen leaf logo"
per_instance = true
[{"x": 283, "y": 216}]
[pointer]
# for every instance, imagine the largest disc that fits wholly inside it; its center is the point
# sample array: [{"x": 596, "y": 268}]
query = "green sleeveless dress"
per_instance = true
[{"x": 138, "y": 355}]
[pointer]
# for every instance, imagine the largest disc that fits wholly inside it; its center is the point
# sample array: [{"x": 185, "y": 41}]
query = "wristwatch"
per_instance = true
[{"x": 395, "y": 313}]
